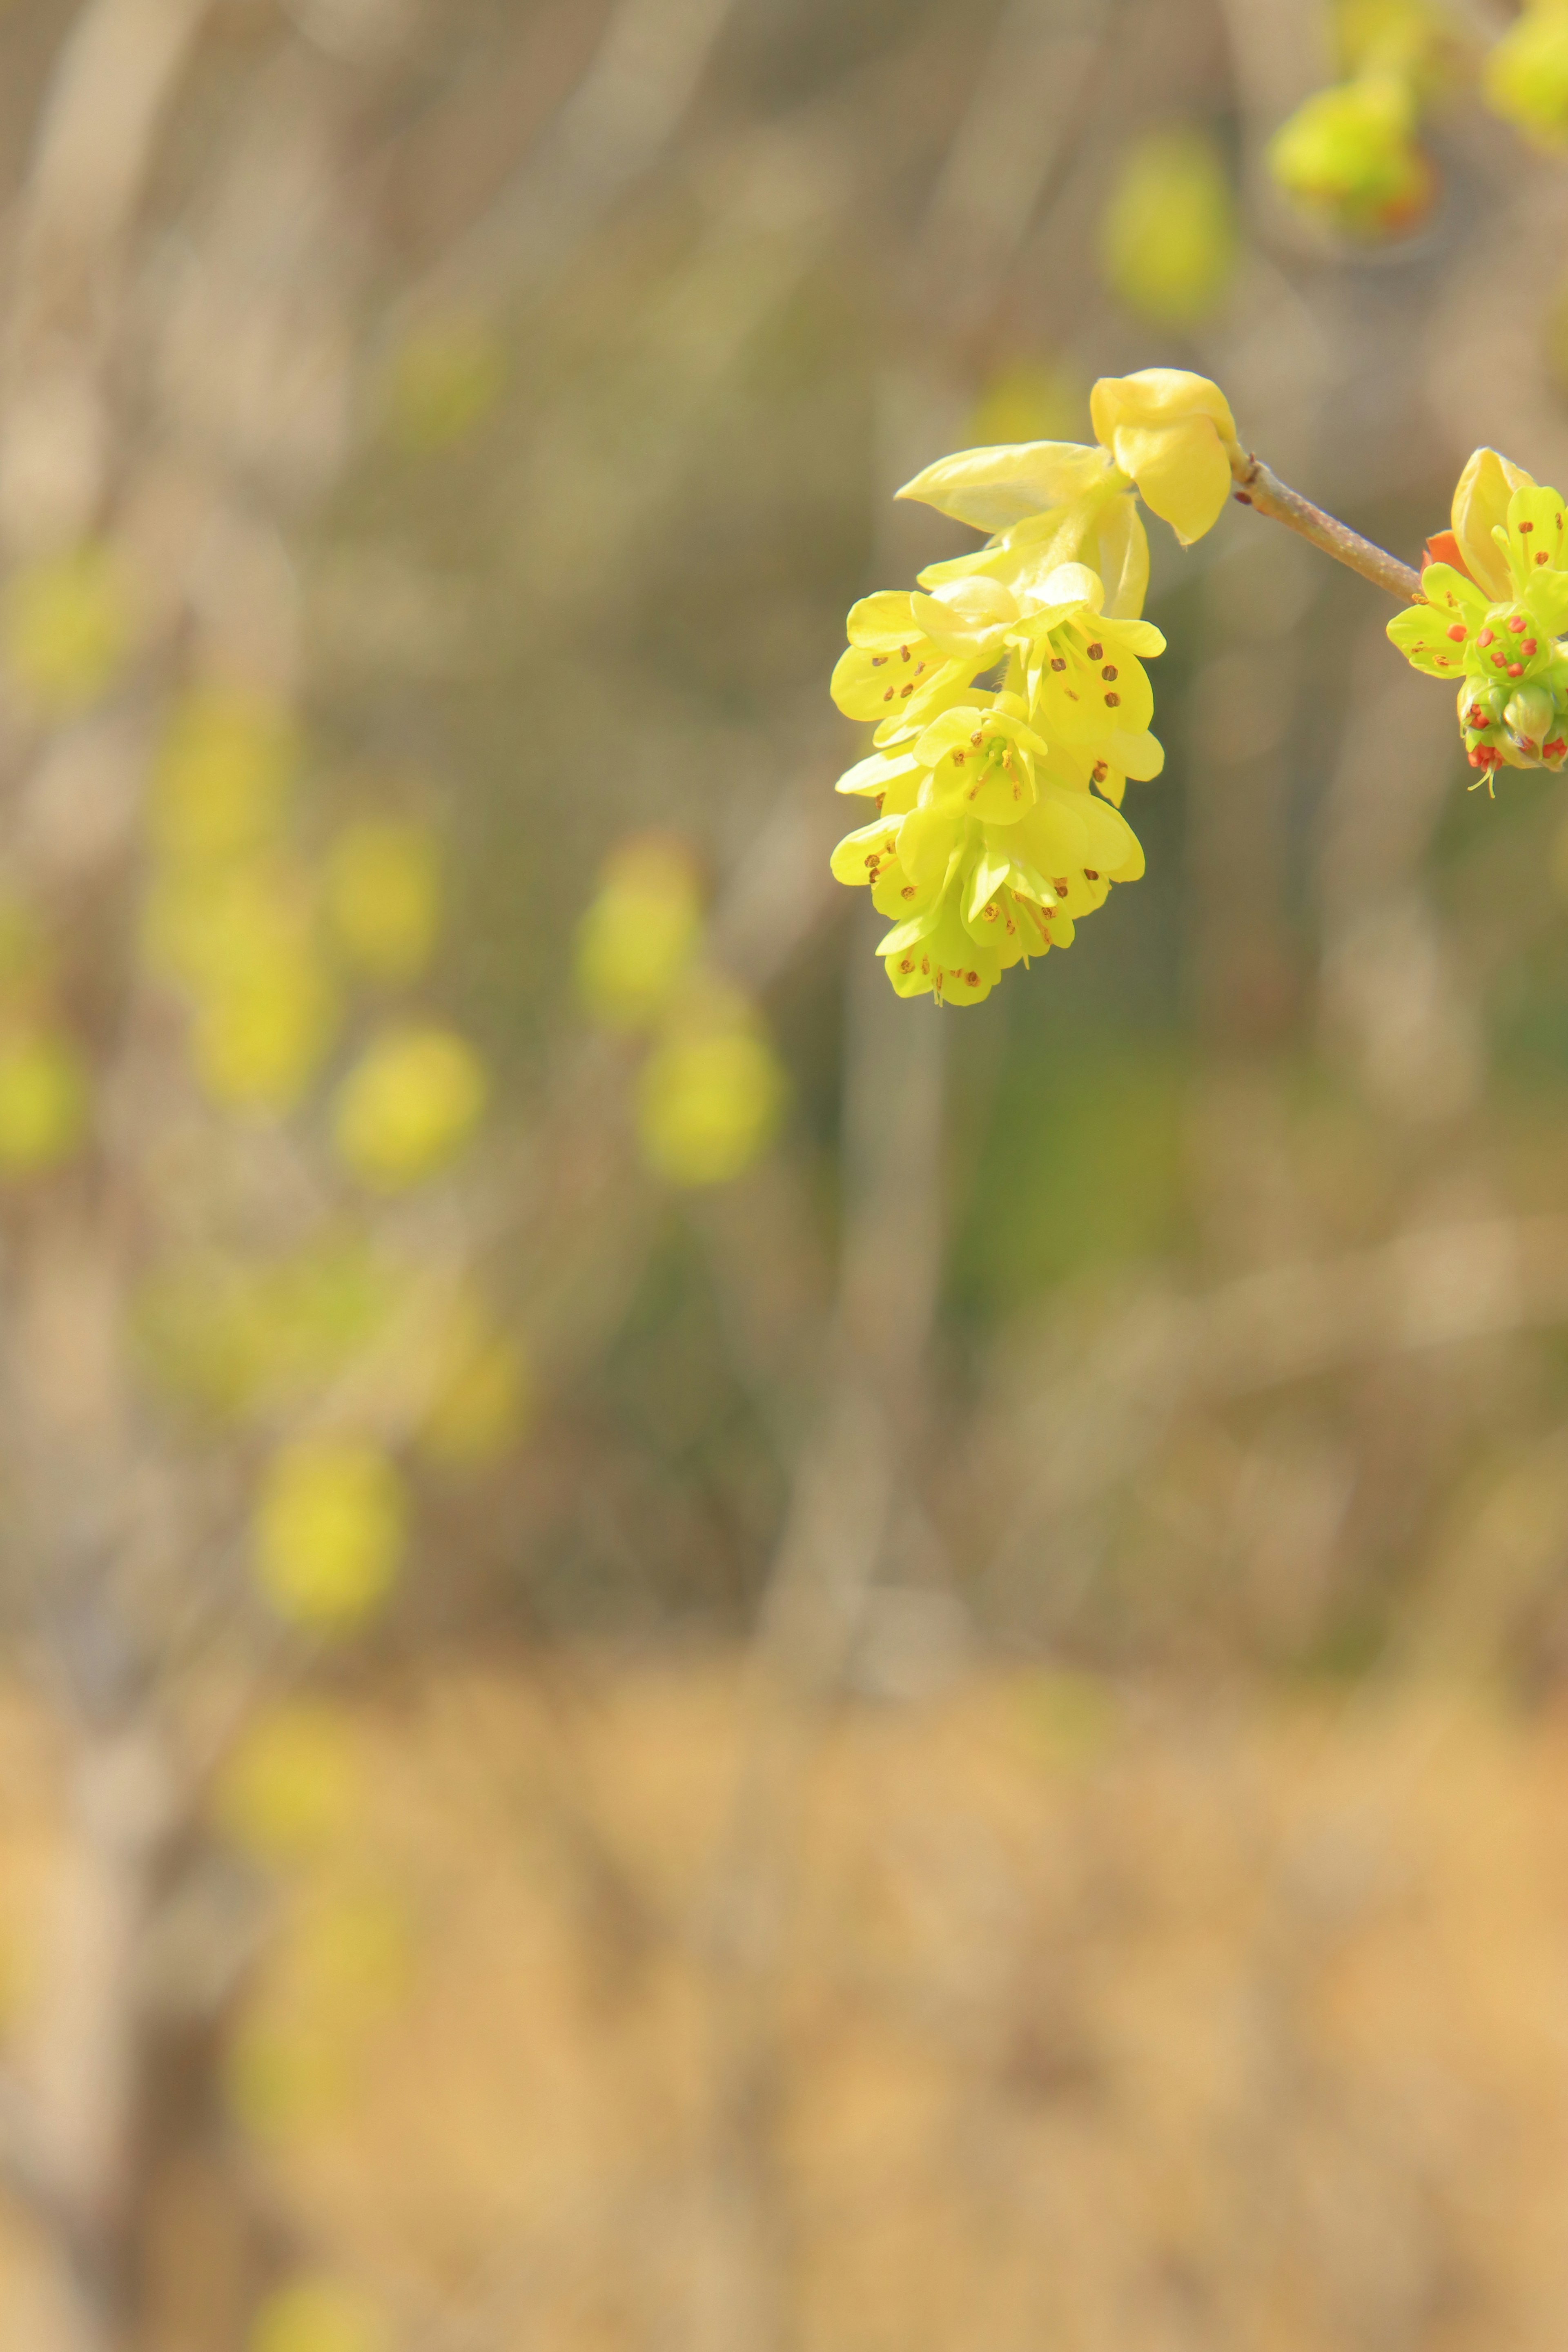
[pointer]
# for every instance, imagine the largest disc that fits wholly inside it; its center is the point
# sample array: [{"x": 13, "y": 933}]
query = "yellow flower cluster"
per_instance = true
[
  {"x": 1352, "y": 155},
  {"x": 710, "y": 1091},
  {"x": 1008, "y": 691},
  {"x": 1493, "y": 613}
]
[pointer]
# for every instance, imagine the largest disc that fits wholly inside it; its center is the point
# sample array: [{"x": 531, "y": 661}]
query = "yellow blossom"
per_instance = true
[
  {"x": 638, "y": 936},
  {"x": 383, "y": 896},
  {"x": 1174, "y": 434},
  {"x": 329, "y": 1532},
  {"x": 1170, "y": 241},
  {"x": 44, "y": 1101},
  {"x": 712, "y": 1093},
  {"x": 409, "y": 1105}
]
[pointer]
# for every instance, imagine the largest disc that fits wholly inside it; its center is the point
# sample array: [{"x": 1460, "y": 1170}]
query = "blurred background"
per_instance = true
[{"x": 692, "y": 1658}]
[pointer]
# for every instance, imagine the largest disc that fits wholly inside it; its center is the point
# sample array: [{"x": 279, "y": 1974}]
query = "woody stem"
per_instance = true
[{"x": 1257, "y": 486}]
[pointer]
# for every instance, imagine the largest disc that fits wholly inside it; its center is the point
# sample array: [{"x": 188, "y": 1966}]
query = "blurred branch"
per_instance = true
[
  {"x": 1261, "y": 488},
  {"x": 612, "y": 130}
]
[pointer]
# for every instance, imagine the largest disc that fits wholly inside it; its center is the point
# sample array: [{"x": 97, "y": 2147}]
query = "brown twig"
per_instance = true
[{"x": 1258, "y": 487}]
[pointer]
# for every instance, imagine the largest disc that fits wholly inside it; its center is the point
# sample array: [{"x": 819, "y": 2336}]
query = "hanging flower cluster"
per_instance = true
[
  {"x": 1008, "y": 691},
  {"x": 1496, "y": 604}
]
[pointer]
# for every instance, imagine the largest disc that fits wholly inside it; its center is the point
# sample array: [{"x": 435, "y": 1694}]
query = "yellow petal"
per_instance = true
[
  {"x": 1182, "y": 472},
  {"x": 1159, "y": 396},
  {"x": 1174, "y": 434},
  {"x": 1481, "y": 505},
  {"x": 995, "y": 489}
]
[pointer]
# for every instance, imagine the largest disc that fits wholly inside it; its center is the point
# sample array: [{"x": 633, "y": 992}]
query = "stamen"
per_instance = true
[
  {"x": 1459, "y": 633},
  {"x": 1056, "y": 663},
  {"x": 1516, "y": 625},
  {"x": 1485, "y": 638},
  {"x": 1113, "y": 703},
  {"x": 1097, "y": 653},
  {"x": 905, "y": 651},
  {"x": 1089, "y": 874},
  {"x": 1108, "y": 672}
]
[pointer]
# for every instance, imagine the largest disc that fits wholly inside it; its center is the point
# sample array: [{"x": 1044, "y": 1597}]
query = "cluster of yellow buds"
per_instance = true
[
  {"x": 710, "y": 1090},
  {"x": 1352, "y": 154},
  {"x": 1495, "y": 601},
  {"x": 1008, "y": 690}
]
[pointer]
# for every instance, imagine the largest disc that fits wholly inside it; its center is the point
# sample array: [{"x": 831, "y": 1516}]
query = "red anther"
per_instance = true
[
  {"x": 1555, "y": 750},
  {"x": 1530, "y": 648},
  {"x": 1517, "y": 624},
  {"x": 1242, "y": 499},
  {"x": 1497, "y": 661},
  {"x": 1476, "y": 758},
  {"x": 1485, "y": 638},
  {"x": 1516, "y": 669},
  {"x": 1459, "y": 633}
]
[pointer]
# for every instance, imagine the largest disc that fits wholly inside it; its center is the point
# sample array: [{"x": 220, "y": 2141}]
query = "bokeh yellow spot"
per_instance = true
[
  {"x": 1170, "y": 240},
  {"x": 637, "y": 939},
  {"x": 221, "y": 787},
  {"x": 383, "y": 896},
  {"x": 1030, "y": 400},
  {"x": 409, "y": 1106},
  {"x": 67, "y": 627},
  {"x": 445, "y": 380},
  {"x": 484, "y": 1396},
  {"x": 318, "y": 2315},
  {"x": 43, "y": 1102},
  {"x": 329, "y": 1532},
  {"x": 292, "y": 1786},
  {"x": 235, "y": 1338},
  {"x": 709, "y": 1103}
]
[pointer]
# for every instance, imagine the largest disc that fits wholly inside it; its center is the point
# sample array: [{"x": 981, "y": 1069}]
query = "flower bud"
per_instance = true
[{"x": 1529, "y": 717}]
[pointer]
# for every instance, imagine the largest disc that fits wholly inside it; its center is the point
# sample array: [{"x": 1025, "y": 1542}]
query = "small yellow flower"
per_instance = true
[
  {"x": 1526, "y": 73},
  {"x": 1481, "y": 502},
  {"x": 383, "y": 896},
  {"x": 67, "y": 627},
  {"x": 318, "y": 2316},
  {"x": 637, "y": 940},
  {"x": 291, "y": 1789},
  {"x": 221, "y": 786},
  {"x": 409, "y": 1106},
  {"x": 1504, "y": 653},
  {"x": 1170, "y": 241},
  {"x": 1174, "y": 434},
  {"x": 329, "y": 1532},
  {"x": 1349, "y": 154},
  {"x": 43, "y": 1102},
  {"x": 711, "y": 1095}
]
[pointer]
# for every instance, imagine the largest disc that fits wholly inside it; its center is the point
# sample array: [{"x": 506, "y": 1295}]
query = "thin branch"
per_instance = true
[{"x": 1258, "y": 487}]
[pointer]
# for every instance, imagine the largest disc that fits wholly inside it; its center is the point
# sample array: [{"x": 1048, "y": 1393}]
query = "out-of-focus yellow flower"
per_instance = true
[
  {"x": 257, "y": 1038},
  {"x": 1350, "y": 155},
  {"x": 383, "y": 896},
  {"x": 1170, "y": 241},
  {"x": 710, "y": 1097},
  {"x": 318, "y": 2315},
  {"x": 484, "y": 1395},
  {"x": 1173, "y": 434},
  {"x": 67, "y": 624},
  {"x": 292, "y": 1788},
  {"x": 44, "y": 1101},
  {"x": 286, "y": 2074},
  {"x": 409, "y": 1106},
  {"x": 1526, "y": 74},
  {"x": 238, "y": 1339},
  {"x": 330, "y": 1530},
  {"x": 221, "y": 787},
  {"x": 637, "y": 940},
  {"x": 446, "y": 380},
  {"x": 1031, "y": 400}
]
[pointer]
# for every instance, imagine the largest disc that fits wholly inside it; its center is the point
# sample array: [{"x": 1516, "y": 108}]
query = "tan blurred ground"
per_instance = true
[{"x": 1104, "y": 2019}]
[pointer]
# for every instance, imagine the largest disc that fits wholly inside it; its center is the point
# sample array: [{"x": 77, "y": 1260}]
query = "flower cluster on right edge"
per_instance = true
[{"x": 1496, "y": 602}]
